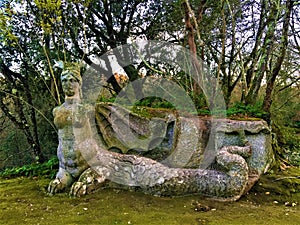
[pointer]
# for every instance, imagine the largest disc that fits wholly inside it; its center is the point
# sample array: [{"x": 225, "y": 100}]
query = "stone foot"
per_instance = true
[{"x": 88, "y": 182}]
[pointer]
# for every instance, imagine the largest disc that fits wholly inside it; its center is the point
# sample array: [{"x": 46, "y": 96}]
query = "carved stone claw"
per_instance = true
[
  {"x": 55, "y": 186},
  {"x": 78, "y": 189}
]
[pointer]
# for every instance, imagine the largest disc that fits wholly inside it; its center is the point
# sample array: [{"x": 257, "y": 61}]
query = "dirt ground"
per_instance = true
[{"x": 273, "y": 200}]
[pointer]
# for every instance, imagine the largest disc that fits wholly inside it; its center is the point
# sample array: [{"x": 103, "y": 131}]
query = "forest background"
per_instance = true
[{"x": 252, "y": 48}]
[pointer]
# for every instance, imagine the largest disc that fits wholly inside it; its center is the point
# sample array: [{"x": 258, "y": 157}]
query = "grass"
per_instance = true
[{"x": 24, "y": 201}]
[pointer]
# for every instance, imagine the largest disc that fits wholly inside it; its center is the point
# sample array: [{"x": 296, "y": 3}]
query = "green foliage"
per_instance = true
[
  {"x": 105, "y": 99},
  {"x": 199, "y": 100},
  {"x": 285, "y": 117},
  {"x": 286, "y": 107},
  {"x": 28, "y": 31},
  {"x": 242, "y": 110},
  {"x": 14, "y": 150},
  {"x": 47, "y": 169},
  {"x": 289, "y": 143},
  {"x": 154, "y": 102}
]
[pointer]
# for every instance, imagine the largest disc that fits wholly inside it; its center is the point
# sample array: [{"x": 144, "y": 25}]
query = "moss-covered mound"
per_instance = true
[{"x": 274, "y": 199}]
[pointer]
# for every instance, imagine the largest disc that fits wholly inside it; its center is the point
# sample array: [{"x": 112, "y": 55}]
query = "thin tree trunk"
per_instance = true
[
  {"x": 254, "y": 55},
  {"x": 191, "y": 23},
  {"x": 265, "y": 56},
  {"x": 271, "y": 80}
]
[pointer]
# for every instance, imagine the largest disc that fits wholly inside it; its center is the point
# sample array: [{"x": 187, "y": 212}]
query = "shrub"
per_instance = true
[{"x": 240, "y": 109}]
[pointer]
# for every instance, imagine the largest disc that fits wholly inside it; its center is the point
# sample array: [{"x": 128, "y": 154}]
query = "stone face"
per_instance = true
[
  {"x": 257, "y": 134},
  {"x": 189, "y": 143}
]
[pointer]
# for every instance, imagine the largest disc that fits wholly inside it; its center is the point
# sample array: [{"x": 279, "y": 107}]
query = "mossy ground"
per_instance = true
[{"x": 274, "y": 199}]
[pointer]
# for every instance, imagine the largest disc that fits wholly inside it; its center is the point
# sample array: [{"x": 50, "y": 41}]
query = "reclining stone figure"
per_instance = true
[{"x": 86, "y": 164}]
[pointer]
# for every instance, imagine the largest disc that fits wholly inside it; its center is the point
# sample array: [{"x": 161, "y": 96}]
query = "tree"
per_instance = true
[
  {"x": 247, "y": 44},
  {"x": 240, "y": 42},
  {"x": 21, "y": 79},
  {"x": 14, "y": 90},
  {"x": 36, "y": 34},
  {"x": 271, "y": 78},
  {"x": 89, "y": 29}
]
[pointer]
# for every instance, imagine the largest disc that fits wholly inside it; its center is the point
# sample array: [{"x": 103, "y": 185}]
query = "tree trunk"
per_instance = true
[
  {"x": 271, "y": 80},
  {"x": 266, "y": 50},
  {"x": 191, "y": 24}
]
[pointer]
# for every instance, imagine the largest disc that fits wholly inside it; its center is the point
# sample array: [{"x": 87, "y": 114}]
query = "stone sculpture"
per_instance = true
[
  {"x": 242, "y": 151},
  {"x": 71, "y": 162}
]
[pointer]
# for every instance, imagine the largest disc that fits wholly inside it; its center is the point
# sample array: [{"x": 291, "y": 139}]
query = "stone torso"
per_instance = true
[{"x": 67, "y": 119}]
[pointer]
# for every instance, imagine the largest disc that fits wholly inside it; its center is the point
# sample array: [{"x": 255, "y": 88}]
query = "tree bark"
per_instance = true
[
  {"x": 266, "y": 50},
  {"x": 191, "y": 24},
  {"x": 272, "y": 78}
]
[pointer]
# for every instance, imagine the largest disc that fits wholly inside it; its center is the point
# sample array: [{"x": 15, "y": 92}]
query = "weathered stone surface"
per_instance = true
[
  {"x": 70, "y": 116},
  {"x": 123, "y": 130},
  {"x": 258, "y": 136},
  {"x": 220, "y": 159},
  {"x": 149, "y": 176},
  {"x": 187, "y": 138}
]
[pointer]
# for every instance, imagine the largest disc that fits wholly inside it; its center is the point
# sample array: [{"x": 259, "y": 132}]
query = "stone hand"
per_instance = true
[{"x": 55, "y": 186}]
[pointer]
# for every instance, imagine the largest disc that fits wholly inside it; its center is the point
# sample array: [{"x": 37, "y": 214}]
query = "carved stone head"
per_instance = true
[{"x": 71, "y": 82}]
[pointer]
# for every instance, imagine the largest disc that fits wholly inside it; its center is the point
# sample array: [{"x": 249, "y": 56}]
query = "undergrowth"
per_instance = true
[
  {"x": 47, "y": 169},
  {"x": 289, "y": 144},
  {"x": 238, "y": 109},
  {"x": 241, "y": 109}
]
